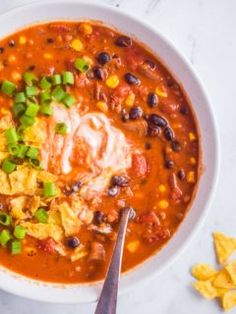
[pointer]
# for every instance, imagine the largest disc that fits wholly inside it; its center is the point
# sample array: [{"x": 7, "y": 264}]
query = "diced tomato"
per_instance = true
[
  {"x": 139, "y": 165},
  {"x": 47, "y": 245},
  {"x": 122, "y": 90}
]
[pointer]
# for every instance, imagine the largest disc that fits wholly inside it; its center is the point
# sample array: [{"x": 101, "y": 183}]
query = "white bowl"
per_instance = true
[{"x": 185, "y": 74}]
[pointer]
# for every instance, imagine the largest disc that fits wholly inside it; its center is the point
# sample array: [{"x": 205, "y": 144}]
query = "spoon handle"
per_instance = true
[{"x": 108, "y": 298}]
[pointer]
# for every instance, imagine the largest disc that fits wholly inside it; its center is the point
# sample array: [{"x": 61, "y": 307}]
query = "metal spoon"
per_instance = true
[{"x": 108, "y": 298}]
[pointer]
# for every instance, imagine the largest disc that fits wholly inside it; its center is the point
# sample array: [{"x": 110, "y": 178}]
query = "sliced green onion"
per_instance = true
[
  {"x": 17, "y": 150},
  {"x": 46, "y": 109},
  {"x": 20, "y": 97},
  {"x": 81, "y": 65},
  {"x": 41, "y": 215},
  {"x": 45, "y": 97},
  {"x": 5, "y": 236},
  {"x": 49, "y": 189},
  {"x": 19, "y": 232},
  {"x": 16, "y": 247},
  {"x": 8, "y": 87},
  {"x": 56, "y": 79},
  {"x": 45, "y": 84},
  {"x": 35, "y": 163},
  {"x": 13, "y": 148},
  {"x": 18, "y": 109},
  {"x": 30, "y": 78},
  {"x": 68, "y": 78},
  {"x": 31, "y": 91},
  {"x": 68, "y": 100},
  {"x": 58, "y": 93},
  {"x": 32, "y": 152},
  {"x": 32, "y": 110},
  {"x": 5, "y": 219},
  {"x": 8, "y": 166},
  {"x": 11, "y": 135},
  {"x": 61, "y": 128},
  {"x": 27, "y": 121}
]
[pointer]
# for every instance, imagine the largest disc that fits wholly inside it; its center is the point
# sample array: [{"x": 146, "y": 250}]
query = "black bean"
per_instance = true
[
  {"x": 98, "y": 217},
  {"x": 181, "y": 174},
  {"x": 50, "y": 40},
  {"x": 175, "y": 145},
  {"x": 135, "y": 113},
  {"x": 148, "y": 146},
  {"x": 131, "y": 79},
  {"x": 152, "y": 100},
  {"x": 113, "y": 190},
  {"x": 120, "y": 181},
  {"x": 153, "y": 130},
  {"x": 99, "y": 73},
  {"x": 103, "y": 58},
  {"x": 1, "y": 50},
  {"x": 169, "y": 163},
  {"x": 73, "y": 242},
  {"x": 31, "y": 67},
  {"x": 11, "y": 43},
  {"x": 151, "y": 64},
  {"x": 123, "y": 41},
  {"x": 184, "y": 110},
  {"x": 157, "y": 120},
  {"x": 168, "y": 133}
]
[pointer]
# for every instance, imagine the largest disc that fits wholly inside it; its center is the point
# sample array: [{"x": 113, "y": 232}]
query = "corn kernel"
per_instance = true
[
  {"x": 130, "y": 100},
  {"x": 11, "y": 58},
  {"x": 192, "y": 160},
  {"x": 192, "y": 136},
  {"x": 16, "y": 76},
  {"x": 162, "y": 188},
  {"x": 112, "y": 81},
  {"x": 160, "y": 91},
  {"x": 191, "y": 177},
  {"x": 102, "y": 106},
  {"x": 133, "y": 246},
  {"x": 47, "y": 55},
  {"x": 77, "y": 45},
  {"x": 22, "y": 40},
  {"x": 86, "y": 29},
  {"x": 163, "y": 204}
]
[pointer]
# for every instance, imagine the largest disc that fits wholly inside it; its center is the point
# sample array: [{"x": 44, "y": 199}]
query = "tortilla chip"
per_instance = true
[
  {"x": 17, "y": 205},
  {"x": 229, "y": 300},
  {"x": 54, "y": 217},
  {"x": 5, "y": 187},
  {"x": 203, "y": 271},
  {"x": 206, "y": 289},
  {"x": 45, "y": 176},
  {"x": 36, "y": 134},
  {"x": 3, "y": 142},
  {"x": 23, "y": 180},
  {"x": 70, "y": 221},
  {"x": 6, "y": 122},
  {"x": 78, "y": 253},
  {"x": 35, "y": 204},
  {"x": 43, "y": 231},
  {"x": 223, "y": 280},
  {"x": 224, "y": 246},
  {"x": 231, "y": 269}
]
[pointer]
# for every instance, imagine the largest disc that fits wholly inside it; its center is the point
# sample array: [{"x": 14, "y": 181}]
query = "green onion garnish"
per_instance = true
[
  {"x": 68, "y": 78},
  {"x": 68, "y": 100},
  {"x": 11, "y": 135},
  {"x": 8, "y": 166},
  {"x": 45, "y": 97},
  {"x": 20, "y": 97},
  {"x": 81, "y": 65},
  {"x": 56, "y": 79},
  {"x": 49, "y": 189},
  {"x": 61, "y": 128},
  {"x": 32, "y": 152},
  {"x": 46, "y": 109},
  {"x": 30, "y": 78},
  {"x": 5, "y": 219},
  {"x": 27, "y": 121},
  {"x": 18, "y": 109},
  {"x": 16, "y": 247},
  {"x": 58, "y": 93},
  {"x": 31, "y": 91},
  {"x": 19, "y": 232},
  {"x": 5, "y": 236},
  {"x": 32, "y": 110},
  {"x": 45, "y": 84},
  {"x": 8, "y": 88},
  {"x": 35, "y": 163},
  {"x": 21, "y": 151},
  {"x": 41, "y": 215}
]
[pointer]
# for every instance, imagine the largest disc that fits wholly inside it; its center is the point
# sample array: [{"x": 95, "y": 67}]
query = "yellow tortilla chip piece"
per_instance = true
[
  {"x": 54, "y": 217},
  {"x": 206, "y": 289},
  {"x": 36, "y": 134},
  {"x": 223, "y": 280},
  {"x": 231, "y": 269},
  {"x": 3, "y": 155},
  {"x": 35, "y": 203},
  {"x": 6, "y": 122},
  {"x": 229, "y": 300},
  {"x": 46, "y": 176},
  {"x": 17, "y": 205},
  {"x": 23, "y": 180},
  {"x": 224, "y": 246},
  {"x": 78, "y": 253},
  {"x": 5, "y": 187},
  {"x": 43, "y": 231},
  {"x": 70, "y": 221},
  {"x": 203, "y": 271},
  {"x": 3, "y": 142}
]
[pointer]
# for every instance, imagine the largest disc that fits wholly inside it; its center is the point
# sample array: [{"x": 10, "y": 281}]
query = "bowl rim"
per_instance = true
[{"x": 150, "y": 28}]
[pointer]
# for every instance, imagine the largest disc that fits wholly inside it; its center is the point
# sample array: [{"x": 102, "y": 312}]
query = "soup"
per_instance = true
[{"x": 91, "y": 122}]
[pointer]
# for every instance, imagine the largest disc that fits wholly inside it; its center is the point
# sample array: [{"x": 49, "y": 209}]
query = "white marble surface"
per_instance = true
[{"x": 205, "y": 31}]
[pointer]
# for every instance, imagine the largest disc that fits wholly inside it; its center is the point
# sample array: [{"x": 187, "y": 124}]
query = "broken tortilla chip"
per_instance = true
[
  {"x": 70, "y": 221},
  {"x": 203, "y": 271},
  {"x": 229, "y": 300},
  {"x": 207, "y": 290},
  {"x": 224, "y": 246},
  {"x": 223, "y": 280},
  {"x": 43, "y": 231}
]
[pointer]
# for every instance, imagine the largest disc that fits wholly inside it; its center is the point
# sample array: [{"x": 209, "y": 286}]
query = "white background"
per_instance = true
[{"x": 205, "y": 31}]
